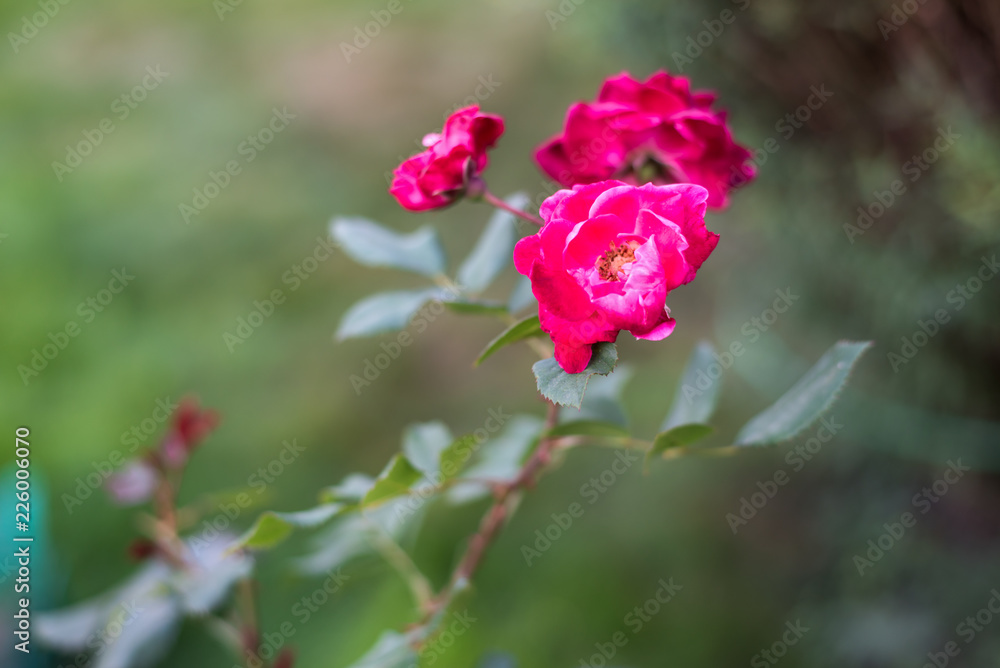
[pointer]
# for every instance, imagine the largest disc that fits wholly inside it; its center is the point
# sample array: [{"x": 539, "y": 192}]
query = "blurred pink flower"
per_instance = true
[
  {"x": 606, "y": 259},
  {"x": 657, "y": 131},
  {"x": 438, "y": 176},
  {"x": 190, "y": 426},
  {"x": 134, "y": 483},
  {"x": 141, "y": 549},
  {"x": 286, "y": 659}
]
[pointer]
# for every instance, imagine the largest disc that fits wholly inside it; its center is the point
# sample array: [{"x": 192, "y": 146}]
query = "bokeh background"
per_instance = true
[{"x": 162, "y": 337}]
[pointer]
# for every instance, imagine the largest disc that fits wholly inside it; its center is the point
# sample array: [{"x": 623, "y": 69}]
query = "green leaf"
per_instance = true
[
  {"x": 147, "y": 638},
  {"x": 685, "y": 434},
  {"x": 217, "y": 569},
  {"x": 354, "y": 534},
  {"x": 395, "y": 480},
  {"x": 521, "y": 297},
  {"x": 568, "y": 389},
  {"x": 138, "y": 620},
  {"x": 372, "y": 245},
  {"x": 350, "y": 490},
  {"x": 477, "y": 307},
  {"x": 589, "y": 428},
  {"x": 337, "y": 544},
  {"x": 69, "y": 629},
  {"x": 697, "y": 393},
  {"x": 424, "y": 443},
  {"x": 494, "y": 250},
  {"x": 603, "y": 400},
  {"x": 499, "y": 458},
  {"x": 391, "y": 650},
  {"x": 272, "y": 527},
  {"x": 456, "y": 456},
  {"x": 519, "y": 331},
  {"x": 384, "y": 312},
  {"x": 808, "y": 399}
]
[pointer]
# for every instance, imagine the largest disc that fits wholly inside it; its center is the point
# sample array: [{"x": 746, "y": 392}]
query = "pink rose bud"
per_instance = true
[
  {"x": 133, "y": 484},
  {"x": 453, "y": 160},
  {"x": 657, "y": 131},
  {"x": 190, "y": 426},
  {"x": 606, "y": 259}
]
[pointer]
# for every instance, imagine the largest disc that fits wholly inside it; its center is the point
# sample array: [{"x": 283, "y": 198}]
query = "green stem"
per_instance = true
[{"x": 420, "y": 587}]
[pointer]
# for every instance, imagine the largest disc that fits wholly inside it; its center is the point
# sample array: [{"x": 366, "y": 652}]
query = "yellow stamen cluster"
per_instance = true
[{"x": 609, "y": 264}]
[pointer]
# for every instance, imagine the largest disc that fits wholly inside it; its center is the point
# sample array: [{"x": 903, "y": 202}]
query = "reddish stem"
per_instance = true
[
  {"x": 500, "y": 204},
  {"x": 494, "y": 519}
]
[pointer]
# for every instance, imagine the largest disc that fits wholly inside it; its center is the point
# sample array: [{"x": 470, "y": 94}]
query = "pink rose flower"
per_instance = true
[
  {"x": 656, "y": 131},
  {"x": 438, "y": 176},
  {"x": 606, "y": 259}
]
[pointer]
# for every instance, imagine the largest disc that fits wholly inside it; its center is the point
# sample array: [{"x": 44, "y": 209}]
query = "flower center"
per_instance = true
[
  {"x": 609, "y": 264},
  {"x": 648, "y": 170}
]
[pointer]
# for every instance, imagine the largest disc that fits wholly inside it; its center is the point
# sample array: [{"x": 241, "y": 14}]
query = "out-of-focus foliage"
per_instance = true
[{"x": 256, "y": 263}]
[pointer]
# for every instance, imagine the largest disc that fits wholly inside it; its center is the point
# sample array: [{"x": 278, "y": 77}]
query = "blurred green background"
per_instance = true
[{"x": 162, "y": 337}]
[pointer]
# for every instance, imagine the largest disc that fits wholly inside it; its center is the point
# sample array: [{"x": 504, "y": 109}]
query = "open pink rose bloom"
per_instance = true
[
  {"x": 657, "y": 131},
  {"x": 436, "y": 177},
  {"x": 606, "y": 259}
]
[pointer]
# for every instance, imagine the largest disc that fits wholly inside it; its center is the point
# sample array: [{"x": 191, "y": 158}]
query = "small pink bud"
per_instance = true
[
  {"x": 191, "y": 425},
  {"x": 453, "y": 160}
]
